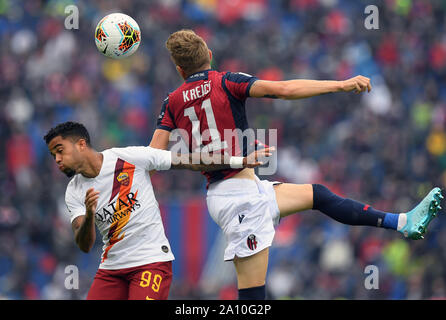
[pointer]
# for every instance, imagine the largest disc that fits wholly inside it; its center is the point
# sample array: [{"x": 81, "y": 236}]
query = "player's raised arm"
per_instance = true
[
  {"x": 300, "y": 88},
  {"x": 160, "y": 140},
  {"x": 83, "y": 226},
  {"x": 207, "y": 162}
]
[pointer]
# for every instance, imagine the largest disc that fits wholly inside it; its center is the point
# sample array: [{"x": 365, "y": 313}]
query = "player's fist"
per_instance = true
[
  {"x": 252, "y": 160},
  {"x": 357, "y": 84},
  {"x": 91, "y": 201}
]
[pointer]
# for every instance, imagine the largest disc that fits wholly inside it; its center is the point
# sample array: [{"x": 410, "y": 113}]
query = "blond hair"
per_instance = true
[{"x": 188, "y": 50}]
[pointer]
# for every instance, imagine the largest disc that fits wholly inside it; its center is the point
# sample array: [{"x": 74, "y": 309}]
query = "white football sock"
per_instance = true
[{"x": 402, "y": 221}]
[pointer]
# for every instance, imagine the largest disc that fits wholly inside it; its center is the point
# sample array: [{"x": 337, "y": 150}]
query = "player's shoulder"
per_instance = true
[
  {"x": 238, "y": 77},
  {"x": 166, "y": 99},
  {"x": 129, "y": 153},
  {"x": 170, "y": 96},
  {"x": 112, "y": 151},
  {"x": 119, "y": 153},
  {"x": 123, "y": 150},
  {"x": 74, "y": 185}
]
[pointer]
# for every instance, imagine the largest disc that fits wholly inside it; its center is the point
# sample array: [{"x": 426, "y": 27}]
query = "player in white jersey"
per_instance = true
[{"x": 112, "y": 190}]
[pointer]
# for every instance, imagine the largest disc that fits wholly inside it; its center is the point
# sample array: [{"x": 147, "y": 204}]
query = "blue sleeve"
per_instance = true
[
  {"x": 239, "y": 83},
  {"x": 165, "y": 118}
]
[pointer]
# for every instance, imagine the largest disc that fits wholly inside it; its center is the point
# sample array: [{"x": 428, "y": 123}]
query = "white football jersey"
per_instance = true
[{"x": 127, "y": 214}]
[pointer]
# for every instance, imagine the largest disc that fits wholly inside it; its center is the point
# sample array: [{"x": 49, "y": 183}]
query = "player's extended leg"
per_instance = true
[
  {"x": 251, "y": 275},
  {"x": 292, "y": 198}
]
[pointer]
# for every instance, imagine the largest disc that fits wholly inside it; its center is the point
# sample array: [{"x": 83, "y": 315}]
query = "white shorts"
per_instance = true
[{"x": 247, "y": 212}]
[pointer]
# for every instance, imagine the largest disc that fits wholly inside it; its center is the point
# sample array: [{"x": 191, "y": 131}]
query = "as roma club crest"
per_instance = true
[
  {"x": 252, "y": 242},
  {"x": 123, "y": 178}
]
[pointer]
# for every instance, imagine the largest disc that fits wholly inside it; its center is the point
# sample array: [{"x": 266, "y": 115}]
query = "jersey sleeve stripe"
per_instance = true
[
  {"x": 242, "y": 79},
  {"x": 160, "y": 126},
  {"x": 238, "y": 111},
  {"x": 165, "y": 117},
  {"x": 171, "y": 115},
  {"x": 248, "y": 87}
]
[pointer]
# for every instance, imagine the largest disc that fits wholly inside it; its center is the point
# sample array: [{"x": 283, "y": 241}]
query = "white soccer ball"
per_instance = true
[{"x": 117, "y": 36}]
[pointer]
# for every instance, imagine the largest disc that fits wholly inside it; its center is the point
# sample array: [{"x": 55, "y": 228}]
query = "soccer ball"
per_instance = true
[{"x": 117, "y": 36}]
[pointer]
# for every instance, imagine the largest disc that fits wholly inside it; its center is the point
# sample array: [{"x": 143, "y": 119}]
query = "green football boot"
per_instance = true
[{"x": 419, "y": 218}]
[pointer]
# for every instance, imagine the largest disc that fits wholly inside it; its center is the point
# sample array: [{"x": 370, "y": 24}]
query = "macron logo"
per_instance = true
[{"x": 241, "y": 217}]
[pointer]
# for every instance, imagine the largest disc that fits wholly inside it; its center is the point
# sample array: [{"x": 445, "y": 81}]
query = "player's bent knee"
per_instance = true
[{"x": 293, "y": 198}]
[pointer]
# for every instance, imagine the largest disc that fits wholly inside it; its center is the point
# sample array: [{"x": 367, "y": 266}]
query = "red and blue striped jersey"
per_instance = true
[{"x": 209, "y": 107}]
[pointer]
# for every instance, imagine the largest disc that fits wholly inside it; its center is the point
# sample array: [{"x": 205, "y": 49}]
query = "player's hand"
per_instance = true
[
  {"x": 252, "y": 160},
  {"x": 91, "y": 201},
  {"x": 357, "y": 84}
]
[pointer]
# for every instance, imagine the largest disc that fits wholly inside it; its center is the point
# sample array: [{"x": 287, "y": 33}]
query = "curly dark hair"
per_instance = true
[{"x": 68, "y": 129}]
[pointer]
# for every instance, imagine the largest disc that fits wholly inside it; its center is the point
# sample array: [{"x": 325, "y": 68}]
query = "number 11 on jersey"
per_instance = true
[{"x": 216, "y": 144}]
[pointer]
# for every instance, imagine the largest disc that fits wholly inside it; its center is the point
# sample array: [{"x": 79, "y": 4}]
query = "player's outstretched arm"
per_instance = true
[
  {"x": 300, "y": 88},
  {"x": 207, "y": 162},
  {"x": 160, "y": 140},
  {"x": 83, "y": 226}
]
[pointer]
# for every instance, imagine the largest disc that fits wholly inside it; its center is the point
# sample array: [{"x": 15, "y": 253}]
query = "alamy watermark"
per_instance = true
[
  {"x": 208, "y": 146},
  {"x": 371, "y": 22},
  {"x": 72, "y": 277},
  {"x": 72, "y": 19},
  {"x": 371, "y": 281}
]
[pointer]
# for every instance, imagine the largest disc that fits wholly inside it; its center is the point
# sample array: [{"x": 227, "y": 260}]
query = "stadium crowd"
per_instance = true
[{"x": 386, "y": 148}]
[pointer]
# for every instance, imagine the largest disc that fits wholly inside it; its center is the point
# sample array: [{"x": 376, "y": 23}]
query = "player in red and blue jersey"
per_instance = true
[
  {"x": 197, "y": 110},
  {"x": 208, "y": 105}
]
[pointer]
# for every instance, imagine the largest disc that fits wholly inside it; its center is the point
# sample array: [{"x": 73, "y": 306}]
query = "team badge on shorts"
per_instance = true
[{"x": 252, "y": 242}]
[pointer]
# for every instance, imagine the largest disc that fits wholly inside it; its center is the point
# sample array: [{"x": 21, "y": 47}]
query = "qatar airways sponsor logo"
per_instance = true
[
  {"x": 197, "y": 92},
  {"x": 118, "y": 209}
]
